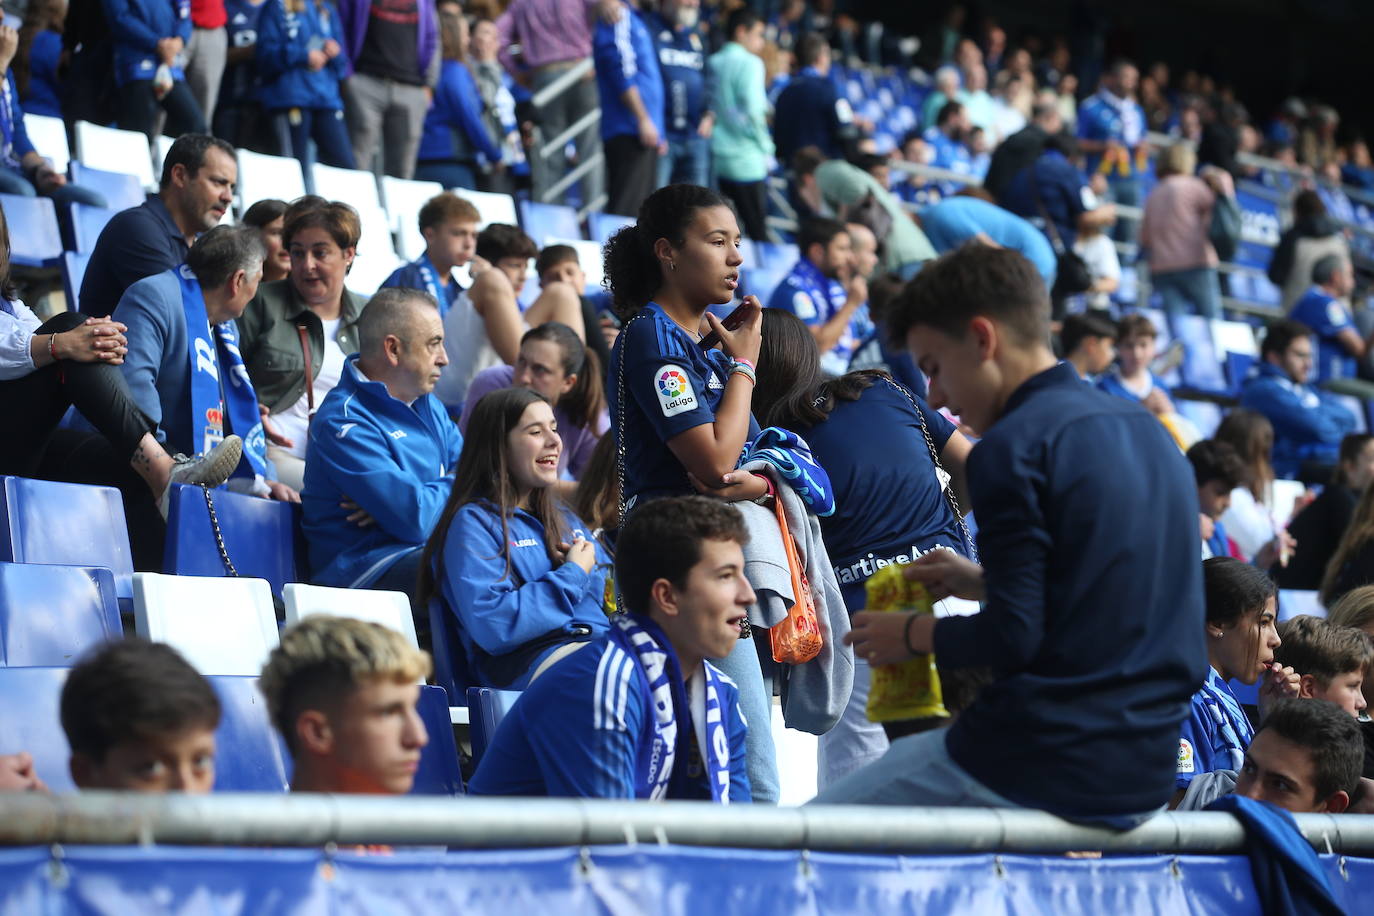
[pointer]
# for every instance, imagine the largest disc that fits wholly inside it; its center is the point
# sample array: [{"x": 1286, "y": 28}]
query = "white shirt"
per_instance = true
[
  {"x": 16, "y": 336},
  {"x": 1248, "y": 522},
  {"x": 1099, "y": 253},
  {"x": 294, "y": 422}
]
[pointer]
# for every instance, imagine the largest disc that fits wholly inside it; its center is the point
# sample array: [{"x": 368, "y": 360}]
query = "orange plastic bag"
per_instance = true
[
  {"x": 910, "y": 689},
  {"x": 797, "y": 639}
]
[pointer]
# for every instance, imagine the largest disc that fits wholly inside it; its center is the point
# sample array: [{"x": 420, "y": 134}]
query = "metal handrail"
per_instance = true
[
  {"x": 315, "y": 820},
  {"x": 561, "y": 85}
]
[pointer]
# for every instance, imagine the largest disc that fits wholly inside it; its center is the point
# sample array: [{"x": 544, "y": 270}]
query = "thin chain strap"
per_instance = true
[
  {"x": 229, "y": 569},
  {"x": 935, "y": 457},
  {"x": 621, "y": 341}
]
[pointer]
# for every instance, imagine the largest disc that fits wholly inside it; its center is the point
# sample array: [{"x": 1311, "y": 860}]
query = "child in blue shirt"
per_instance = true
[
  {"x": 640, "y": 712},
  {"x": 301, "y": 59},
  {"x": 1241, "y": 639},
  {"x": 1218, "y": 469},
  {"x": 522, "y": 580},
  {"x": 1322, "y": 308}
]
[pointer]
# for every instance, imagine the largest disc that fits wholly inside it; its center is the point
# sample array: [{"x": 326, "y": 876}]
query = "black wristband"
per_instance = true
[{"x": 906, "y": 635}]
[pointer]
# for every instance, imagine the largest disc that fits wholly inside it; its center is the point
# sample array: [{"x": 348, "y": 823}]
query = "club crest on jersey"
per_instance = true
[{"x": 674, "y": 389}]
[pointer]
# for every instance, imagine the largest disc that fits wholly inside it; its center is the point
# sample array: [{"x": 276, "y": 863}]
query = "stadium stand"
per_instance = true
[
  {"x": 261, "y": 538},
  {"x": 220, "y": 625},
  {"x": 390, "y": 609},
  {"x": 49, "y": 614},
  {"x": 487, "y": 707}
]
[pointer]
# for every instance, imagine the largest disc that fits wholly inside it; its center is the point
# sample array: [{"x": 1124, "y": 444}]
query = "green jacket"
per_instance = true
[
  {"x": 740, "y": 143},
  {"x": 271, "y": 345}
]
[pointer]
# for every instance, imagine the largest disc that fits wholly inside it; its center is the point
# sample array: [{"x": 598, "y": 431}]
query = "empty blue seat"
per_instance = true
[
  {"x": 438, "y": 773},
  {"x": 761, "y": 281},
  {"x": 776, "y": 255},
  {"x": 749, "y": 251},
  {"x": 73, "y": 270},
  {"x": 34, "y": 236},
  {"x": 450, "y": 660},
  {"x": 261, "y": 536},
  {"x": 83, "y": 225},
  {"x": 66, "y": 524},
  {"x": 543, "y": 222},
  {"x": 249, "y": 754},
  {"x": 487, "y": 707},
  {"x": 30, "y": 700},
  {"x": 605, "y": 225},
  {"x": 50, "y": 615},
  {"x": 1201, "y": 369},
  {"x": 121, "y": 191}
]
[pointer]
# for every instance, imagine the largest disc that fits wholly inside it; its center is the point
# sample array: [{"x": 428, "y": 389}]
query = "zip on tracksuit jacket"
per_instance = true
[{"x": 395, "y": 460}]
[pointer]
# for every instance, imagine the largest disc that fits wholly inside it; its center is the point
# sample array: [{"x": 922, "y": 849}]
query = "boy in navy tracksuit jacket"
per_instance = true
[
  {"x": 631, "y": 88},
  {"x": 1090, "y": 581},
  {"x": 640, "y": 713},
  {"x": 386, "y": 448},
  {"x": 300, "y": 59},
  {"x": 147, "y": 35}
]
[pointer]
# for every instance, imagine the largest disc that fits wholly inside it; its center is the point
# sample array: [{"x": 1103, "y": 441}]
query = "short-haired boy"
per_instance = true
[
  {"x": 640, "y": 713},
  {"x": 1306, "y": 757},
  {"x": 1217, "y": 469},
  {"x": 1089, "y": 343},
  {"x": 449, "y": 226},
  {"x": 342, "y": 692},
  {"x": 1085, "y": 603},
  {"x": 137, "y": 716},
  {"x": 560, "y": 264},
  {"x": 1332, "y": 660}
]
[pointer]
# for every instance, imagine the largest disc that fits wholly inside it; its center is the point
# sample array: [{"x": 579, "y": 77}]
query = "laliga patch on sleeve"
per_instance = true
[
  {"x": 674, "y": 390},
  {"x": 1088, "y": 199},
  {"x": 1335, "y": 314},
  {"x": 803, "y": 306},
  {"x": 1185, "y": 756}
]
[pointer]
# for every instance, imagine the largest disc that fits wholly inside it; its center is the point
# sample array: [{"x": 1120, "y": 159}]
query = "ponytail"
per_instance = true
[
  {"x": 633, "y": 274},
  {"x": 585, "y": 401}
]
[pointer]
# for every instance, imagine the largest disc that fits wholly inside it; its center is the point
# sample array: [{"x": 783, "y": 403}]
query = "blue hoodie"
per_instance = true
[
  {"x": 285, "y": 40},
  {"x": 625, "y": 57},
  {"x": 395, "y": 460},
  {"x": 136, "y": 26},
  {"x": 1308, "y": 424},
  {"x": 496, "y": 613},
  {"x": 453, "y": 127}
]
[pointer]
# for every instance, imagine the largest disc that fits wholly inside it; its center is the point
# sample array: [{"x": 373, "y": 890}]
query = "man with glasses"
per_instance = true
[{"x": 1308, "y": 424}]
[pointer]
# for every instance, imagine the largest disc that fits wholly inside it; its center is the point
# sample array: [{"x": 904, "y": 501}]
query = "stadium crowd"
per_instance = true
[{"x": 615, "y": 501}]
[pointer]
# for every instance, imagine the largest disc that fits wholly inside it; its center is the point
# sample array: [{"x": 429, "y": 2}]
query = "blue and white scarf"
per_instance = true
[
  {"x": 673, "y": 731},
  {"x": 790, "y": 454},
  {"x": 210, "y": 349}
]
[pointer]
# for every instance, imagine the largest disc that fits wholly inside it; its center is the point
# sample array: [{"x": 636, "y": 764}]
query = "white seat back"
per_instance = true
[
  {"x": 403, "y": 198},
  {"x": 1293, "y": 602},
  {"x": 115, "y": 150},
  {"x": 221, "y": 626},
  {"x": 352, "y": 186},
  {"x": 492, "y": 208},
  {"x": 390, "y": 609},
  {"x": 376, "y": 255},
  {"x": 1234, "y": 337},
  {"x": 262, "y": 177},
  {"x": 1286, "y": 494},
  {"x": 49, "y": 137}
]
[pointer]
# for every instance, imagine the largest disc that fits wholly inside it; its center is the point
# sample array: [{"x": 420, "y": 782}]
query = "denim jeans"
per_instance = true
[
  {"x": 448, "y": 173},
  {"x": 1125, "y": 191},
  {"x": 756, "y": 702},
  {"x": 11, "y": 182},
  {"x": 916, "y": 770},
  {"x": 326, "y": 126},
  {"x": 688, "y": 162},
  {"x": 1197, "y": 287}
]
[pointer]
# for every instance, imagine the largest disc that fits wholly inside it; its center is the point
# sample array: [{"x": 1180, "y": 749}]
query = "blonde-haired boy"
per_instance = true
[{"x": 343, "y": 692}]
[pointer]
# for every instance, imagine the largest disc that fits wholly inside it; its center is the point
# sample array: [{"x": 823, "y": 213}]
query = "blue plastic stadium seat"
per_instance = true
[
  {"x": 605, "y": 225},
  {"x": 73, "y": 270},
  {"x": 1238, "y": 366},
  {"x": 261, "y": 536},
  {"x": 50, "y": 615},
  {"x": 66, "y": 524},
  {"x": 34, "y": 236},
  {"x": 249, "y": 754},
  {"x": 450, "y": 660},
  {"x": 542, "y": 222},
  {"x": 438, "y": 773},
  {"x": 487, "y": 707},
  {"x": 83, "y": 224},
  {"x": 761, "y": 281},
  {"x": 749, "y": 251},
  {"x": 775, "y": 256},
  {"x": 29, "y": 721},
  {"x": 1201, "y": 369},
  {"x": 121, "y": 191}
]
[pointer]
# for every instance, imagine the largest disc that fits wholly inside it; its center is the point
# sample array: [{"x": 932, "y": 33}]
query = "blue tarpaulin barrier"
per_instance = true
[{"x": 625, "y": 880}]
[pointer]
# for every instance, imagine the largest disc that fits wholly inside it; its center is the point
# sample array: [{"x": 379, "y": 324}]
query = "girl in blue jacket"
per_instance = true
[
  {"x": 150, "y": 38},
  {"x": 519, "y": 578},
  {"x": 300, "y": 60},
  {"x": 456, "y": 144}
]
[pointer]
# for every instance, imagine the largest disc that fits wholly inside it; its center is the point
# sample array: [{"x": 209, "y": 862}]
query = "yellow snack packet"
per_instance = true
[{"x": 910, "y": 689}]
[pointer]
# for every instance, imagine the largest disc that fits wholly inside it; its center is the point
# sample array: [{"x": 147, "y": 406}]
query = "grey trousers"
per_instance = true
[
  {"x": 558, "y": 116},
  {"x": 205, "y": 67},
  {"x": 383, "y": 112}
]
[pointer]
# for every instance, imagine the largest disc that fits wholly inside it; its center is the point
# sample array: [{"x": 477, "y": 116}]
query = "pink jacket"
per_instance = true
[{"x": 1178, "y": 215}]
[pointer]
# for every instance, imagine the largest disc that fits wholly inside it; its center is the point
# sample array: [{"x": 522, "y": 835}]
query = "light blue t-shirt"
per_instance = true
[{"x": 955, "y": 220}]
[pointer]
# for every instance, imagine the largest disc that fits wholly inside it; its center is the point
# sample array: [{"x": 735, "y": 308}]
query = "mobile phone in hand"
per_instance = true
[{"x": 731, "y": 322}]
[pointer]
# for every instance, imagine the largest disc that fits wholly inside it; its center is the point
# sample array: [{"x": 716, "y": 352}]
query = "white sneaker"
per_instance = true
[{"x": 208, "y": 470}]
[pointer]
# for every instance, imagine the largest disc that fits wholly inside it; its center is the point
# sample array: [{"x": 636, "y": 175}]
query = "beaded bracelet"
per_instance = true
[
  {"x": 741, "y": 369},
  {"x": 740, "y": 361}
]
